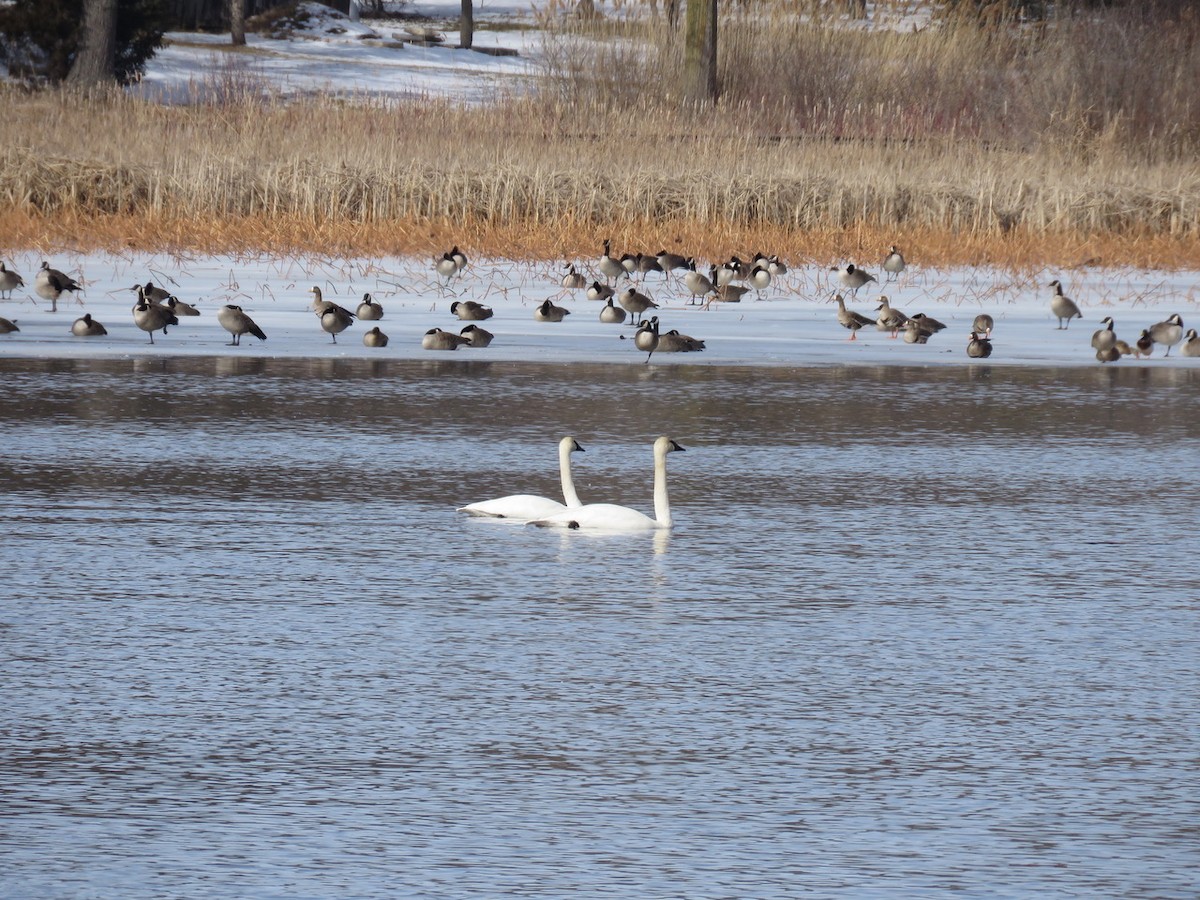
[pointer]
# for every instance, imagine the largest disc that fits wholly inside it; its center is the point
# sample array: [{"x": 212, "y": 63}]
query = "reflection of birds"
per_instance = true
[
  {"x": 369, "y": 310},
  {"x": 848, "y": 318},
  {"x": 893, "y": 263},
  {"x": 978, "y": 347},
  {"x": 7, "y": 327},
  {"x": 612, "y": 315},
  {"x": 548, "y": 312},
  {"x": 86, "y": 326},
  {"x": 1063, "y": 306},
  {"x": 436, "y": 339},
  {"x": 470, "y": 311},
  {"x": 375, "y": 338},
  {"x": 610, "y": 517},
  {"x": 9, "y": 281},
  {"x": 1104, "y": 337},
  {"x": 234, "y": 320},
  {"x": 1168, "y": 333},
  {"x": 50, "y": 284},
  {"x": 889, "y": 319},
  {"x": 852, "y": 278},
  {"x": 150, "y": 317},
  {"x": 523, "y": 507},
  {"x": 476, "y": 336},
  {"x": 983, "y": 324},
  {"x": 1191, "y": 344}
]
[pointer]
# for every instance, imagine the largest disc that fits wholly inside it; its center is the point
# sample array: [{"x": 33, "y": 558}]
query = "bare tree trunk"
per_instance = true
[
  {"x": 237, "y": 22},
  {"x": 700, "y": 51},
  {"x": 466, "y": 26},
  {"x": 94, "y": 61}
]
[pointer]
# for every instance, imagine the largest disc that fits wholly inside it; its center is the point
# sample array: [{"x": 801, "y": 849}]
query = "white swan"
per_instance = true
[
  {"x": 524, "y": 507},
  {"x": 610, "y": 517}
]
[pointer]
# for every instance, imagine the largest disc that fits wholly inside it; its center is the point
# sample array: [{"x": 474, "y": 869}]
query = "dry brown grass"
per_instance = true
[{"x": 821, "y": 148}]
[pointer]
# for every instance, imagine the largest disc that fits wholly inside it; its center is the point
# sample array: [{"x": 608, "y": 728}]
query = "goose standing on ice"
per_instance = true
[
  {"x": 234, "y": 320},
  {"x": 446, "y": 267},
  {"x": 1063, "y": 307},
  {"x": 335, "y": 320},
  {"x": 1168, "y": 333},
  {"x": 610, "y": 267},
  {"x": 1105, "y": 337},
  {"x": 889, "y": 319},
  {"x": 850, "y": 319},
  {"x": 893, "y": 263},
  {"x": 50, "y": 284},
  {"x": 151, "y": 317},
  {"x": 9, "y": 281},
  {"x": 523, "y": 507},
  {"x": 646, "y": 338},
  {"x": 635, "y": 303},
  {"x": 698, "y": 285},
  {"x": 611, "y": 517},
  {"x": 852, "y": 278}
]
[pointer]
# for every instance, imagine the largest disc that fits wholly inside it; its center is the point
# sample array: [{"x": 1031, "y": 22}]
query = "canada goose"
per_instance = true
[
  {"x": 476, "y": 336},
  {"x": 978, "y": 346},
  {"x": 335, "y": 320},
  {"x": 180, "y": 308},
  {"x": 729, "y": 271},
  {"x": 600, "y": 291},
  {"x": 760, "y": 279},
  {"x": 9, "y": 281},
  {"x": 893, "y": 263},
  {"x": 150, "y": 317},
  {"x": 669, "y": 262},
  {"x": 460, "y": 259},
  {"x": 889, "y": 319},
  {"x": 1124, "y": 349},
  {"x": 320, "y": 305},
  {"x": 436, "y": 339},
  {"x": 523, "y": 507},
  {"x": 446, "y": 267},
  {"x": 51, "y": 284},
  {"x": 852, "y": 278},
  {"x": 375, "y": 338},
  {"x": 1168, "y": 333},
  {"x": 1191, "y": 344},
  {"x": 928, "y": 323},
  {"x": 573, "y": 281},
  {"x": 1063, "y": 307},
  {"x": 848, "y": 318},
  {"x": 730, "y": 293},
  {"x": 368, "y": 310},
  {"x": 646, "y": 338},
  {"x": 1105, "y": 337},
  {"x": 155, "y": 294},
  {"x": 470, "y": 311},
  {"x": 610, "y": 517},
  {"x": 1108, "y": 354},
  {"x": 635, "y": 303},
  {"x": 983, "y": 324},
  {"x": 610, "y": 267},
  {"x": 7, "y": 327},
  {"x": 698, "y": 285},
  {"x": 234, "y": 320},
  {"x": 630, "y": 263},
  {"x": 87, "y": 327},
  {"x": 1144, "y": 345},
  {"x": 647, "y": 264},
  {"x": 674, "y": 342},
  {"x": 548, "y": 312},
  {"x": 612, "y": 315},
  {"x": 776, "y": 266}
]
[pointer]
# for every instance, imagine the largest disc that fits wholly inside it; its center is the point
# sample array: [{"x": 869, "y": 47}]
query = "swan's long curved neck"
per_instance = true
[
  {"x": 662, "y": 504},
  {"x": 568, "y": 483}
]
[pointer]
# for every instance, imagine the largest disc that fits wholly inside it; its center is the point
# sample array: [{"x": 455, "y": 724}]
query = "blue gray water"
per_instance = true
[{"x": 916, "y": 631}]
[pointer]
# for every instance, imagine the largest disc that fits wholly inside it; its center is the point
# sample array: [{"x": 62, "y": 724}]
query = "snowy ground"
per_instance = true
[{"x": 793, "y": 325}]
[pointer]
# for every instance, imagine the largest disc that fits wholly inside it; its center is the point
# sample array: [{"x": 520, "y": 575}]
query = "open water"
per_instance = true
[{"x": 916, "y": 631}]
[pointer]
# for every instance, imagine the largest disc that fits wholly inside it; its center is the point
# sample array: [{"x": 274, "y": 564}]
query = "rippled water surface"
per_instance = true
[{"x": 915, "y": 631}]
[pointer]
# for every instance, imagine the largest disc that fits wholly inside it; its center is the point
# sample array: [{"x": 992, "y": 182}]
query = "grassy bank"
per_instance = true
[{"x": 1018, "y": 147}]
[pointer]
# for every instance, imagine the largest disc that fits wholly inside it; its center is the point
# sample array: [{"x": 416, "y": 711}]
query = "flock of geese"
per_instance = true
[
  {"x": 157, "y": 309},
  {"x": 572, "y": 513}
]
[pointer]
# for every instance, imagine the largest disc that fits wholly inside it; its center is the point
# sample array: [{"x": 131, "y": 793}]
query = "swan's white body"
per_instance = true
[
  {"x": 523, "y": 507},
  {"x": 610, "y": 517}
]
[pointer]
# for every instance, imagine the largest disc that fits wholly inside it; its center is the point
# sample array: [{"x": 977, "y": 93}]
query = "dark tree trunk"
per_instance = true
[
  {"x": 98, "y": 45},
  {"x": 237, "y": 22},
  {"x": 466, "y": 26}
]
